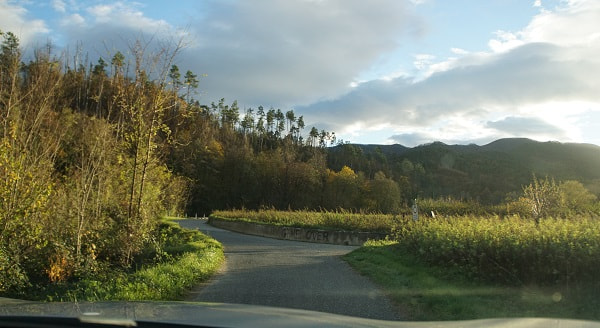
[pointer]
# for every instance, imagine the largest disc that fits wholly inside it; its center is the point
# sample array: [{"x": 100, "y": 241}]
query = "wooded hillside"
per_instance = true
[{"x": 486, "y": 174}]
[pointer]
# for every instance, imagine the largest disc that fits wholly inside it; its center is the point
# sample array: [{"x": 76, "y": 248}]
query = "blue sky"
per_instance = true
[{"x": 380, "y": 71}]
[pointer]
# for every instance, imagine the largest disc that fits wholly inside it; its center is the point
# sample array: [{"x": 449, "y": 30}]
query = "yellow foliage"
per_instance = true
[
  {"x": 216, "y": 149},
  {"x": 347, "y": 173},
  {"x": 59, "y": 269}
]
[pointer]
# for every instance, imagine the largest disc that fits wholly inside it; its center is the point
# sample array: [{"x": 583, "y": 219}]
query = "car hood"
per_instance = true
[{"x": 238, "y": 315}]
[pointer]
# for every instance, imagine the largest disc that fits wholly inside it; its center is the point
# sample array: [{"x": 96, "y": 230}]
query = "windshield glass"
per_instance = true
[{"x": 413, "y": 160}]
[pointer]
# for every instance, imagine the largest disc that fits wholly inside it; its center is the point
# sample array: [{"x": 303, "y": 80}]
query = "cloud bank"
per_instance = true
[
  {"x": 496, "y": 93},
  {"x": 538, "y": 82}
]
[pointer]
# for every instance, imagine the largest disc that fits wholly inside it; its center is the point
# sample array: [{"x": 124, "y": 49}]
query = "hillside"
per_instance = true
[{"x": 486, "y": 173}]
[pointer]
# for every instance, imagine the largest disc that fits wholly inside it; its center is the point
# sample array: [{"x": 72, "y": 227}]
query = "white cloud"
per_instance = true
[
  {"x": 101, "y": 30},
  {"x": 575, "y": 23},
  {"x": 505, "y": 41},
  {"x": 59, "y": 5},
  {"x": 459, "y": 51},
  {"x": 293, "y": 52},
  {"x": 423, "y": 61},
  {"x": 527, "y": 125},
  {"x": 280, "y": 52},
  {"x": 102, "y": 13},
  {"x": 14, "y": 18},
  {"x": 73, "y": 20},
  {"x": 125, "y": 16},
  {"x": 411, "y": 139},
  {"x": 530, "y": 76}
]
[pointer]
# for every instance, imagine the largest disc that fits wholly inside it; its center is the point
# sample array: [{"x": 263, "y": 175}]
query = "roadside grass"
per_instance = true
[
  {"x": 428, "y": 292},
  {"x": 186, "y": 258},
  {"x": 337, "y": 220}
]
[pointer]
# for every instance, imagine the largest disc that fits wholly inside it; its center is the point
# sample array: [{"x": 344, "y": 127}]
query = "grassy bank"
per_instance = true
[
  {"x": 432, "y": 292},
  {"x": 338, "y": 220},
  {"x": 182, "y": 259}
]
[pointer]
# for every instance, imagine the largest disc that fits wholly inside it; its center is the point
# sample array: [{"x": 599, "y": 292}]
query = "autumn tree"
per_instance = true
[
  {"x": 383, "y": 194},
  {"x": 31, "y": 135},
  {"x": 542, "y": 197},
  {"x": 343, "y": 189}
]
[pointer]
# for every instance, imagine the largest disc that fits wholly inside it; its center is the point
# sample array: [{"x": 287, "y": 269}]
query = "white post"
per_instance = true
[{"x": 415, "y": 210}]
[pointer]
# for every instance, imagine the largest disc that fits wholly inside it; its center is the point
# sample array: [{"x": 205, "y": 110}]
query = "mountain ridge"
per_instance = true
[
  {"x": 498, "y": 144},
  {"x": 488, "y": 172}
]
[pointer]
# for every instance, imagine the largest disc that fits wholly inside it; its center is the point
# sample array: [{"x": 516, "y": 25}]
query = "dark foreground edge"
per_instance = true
[{"x": 149, "y": 314}]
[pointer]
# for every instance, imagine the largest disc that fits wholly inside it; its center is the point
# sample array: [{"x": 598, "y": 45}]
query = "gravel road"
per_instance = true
[{"x": 263, "y": 271}]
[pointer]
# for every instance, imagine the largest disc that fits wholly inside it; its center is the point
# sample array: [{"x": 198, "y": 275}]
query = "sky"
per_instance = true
[{"x": 378, "y": 71}]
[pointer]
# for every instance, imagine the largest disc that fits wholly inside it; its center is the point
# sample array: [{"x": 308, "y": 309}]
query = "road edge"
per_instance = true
[{"x": 311, "y": 235}]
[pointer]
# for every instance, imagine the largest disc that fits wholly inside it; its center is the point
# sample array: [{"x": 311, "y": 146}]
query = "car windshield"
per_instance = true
[{"x": 398, "y": 160}]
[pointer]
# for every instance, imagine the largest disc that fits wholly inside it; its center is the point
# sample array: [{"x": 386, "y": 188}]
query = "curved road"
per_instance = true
[{"x": 281, "y": 273}]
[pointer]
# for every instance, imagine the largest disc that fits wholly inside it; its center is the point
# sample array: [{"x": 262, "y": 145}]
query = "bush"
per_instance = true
[{"x": 185, "y": 258}]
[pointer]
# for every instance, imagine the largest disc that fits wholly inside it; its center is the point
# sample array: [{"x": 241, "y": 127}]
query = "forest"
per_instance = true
[{"x": 93, "y": 153}]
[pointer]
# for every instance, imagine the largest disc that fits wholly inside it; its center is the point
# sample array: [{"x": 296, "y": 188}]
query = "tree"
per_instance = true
[
  {"x": 175, "y": 77},
  {"x": 247, "y": 123},
  {"x": 100, "y": 68},
  {"x": 117, "y": 63},
  {"x": 384, "y": 194},
  {"x": 270, "y": 120},
  {"x": 29, "y": 145},
  {"x": 343, "y": 189},
  {"x": 280, "y": 118},
  {"x": 312, "y": 137},
  {"x": 575, "y": 196},
  {"x": 543, "y": 197},
  {"x": 300, "y": 122},
  {"x": 10, "y": 60},
  {"x": 143, "y": 105},
  {"x": 291, "y": 119},
  {"x": 191, "y": 80}
]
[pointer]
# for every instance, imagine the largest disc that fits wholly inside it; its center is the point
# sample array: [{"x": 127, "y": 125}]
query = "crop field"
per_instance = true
[{"x": 510, "y": 250}]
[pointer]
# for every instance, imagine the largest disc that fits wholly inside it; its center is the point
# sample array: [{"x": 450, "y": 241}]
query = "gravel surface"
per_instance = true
[{"x": 263, "y": 271}]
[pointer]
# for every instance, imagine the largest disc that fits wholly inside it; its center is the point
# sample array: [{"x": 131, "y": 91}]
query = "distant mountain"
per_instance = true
[
  {"x": 395, "y": 149},
  {"x": 486, "y": 173},
  {"x": 508, "y": 144}
]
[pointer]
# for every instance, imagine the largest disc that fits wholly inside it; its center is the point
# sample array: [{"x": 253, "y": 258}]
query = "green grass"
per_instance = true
[
  {"x": 426, "y": 292},
  {"x": 188, "y": 258}
]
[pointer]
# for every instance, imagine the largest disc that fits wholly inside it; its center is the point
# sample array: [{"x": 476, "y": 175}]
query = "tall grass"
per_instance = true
[
  {"x": 510, "y": 250},
  {"x": 342, "y": 220}
]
